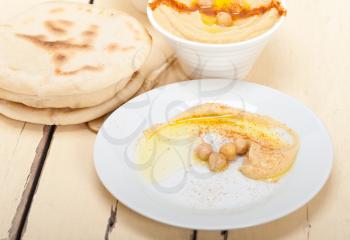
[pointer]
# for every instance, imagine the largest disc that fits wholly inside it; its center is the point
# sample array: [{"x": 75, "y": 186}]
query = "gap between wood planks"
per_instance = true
[
  {"x": 19, "y": 220},
  {"x": 112, "y": 220},
  {"x": 223, "y": 233},
  {"x": 308, "y": 222}
]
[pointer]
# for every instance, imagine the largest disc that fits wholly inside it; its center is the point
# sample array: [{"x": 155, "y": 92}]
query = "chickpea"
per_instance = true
[
  {"x": 205, "y": 3},
  {"x": 224, "y": 19},
  {"x": 242, "y": 146},
  {"x": 229, "y": 151},
  {"x": 217, "y": 162},
  {"x": 203, "y": 151}
]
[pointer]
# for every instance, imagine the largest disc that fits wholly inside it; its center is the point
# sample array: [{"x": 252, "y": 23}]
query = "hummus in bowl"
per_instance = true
[{"x": 217, "y": 21}]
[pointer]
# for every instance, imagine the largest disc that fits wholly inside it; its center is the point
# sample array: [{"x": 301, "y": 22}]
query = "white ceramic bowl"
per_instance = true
[{"x": 206, "y": 60}]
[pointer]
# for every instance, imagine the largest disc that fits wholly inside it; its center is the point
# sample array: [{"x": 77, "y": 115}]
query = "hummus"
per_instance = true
[
  {"x": 242, "y": 19},
  {"x": 273, "y": 146}
]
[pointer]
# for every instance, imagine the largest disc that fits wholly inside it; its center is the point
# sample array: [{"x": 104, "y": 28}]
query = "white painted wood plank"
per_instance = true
[
  {"x": 72, "y": 203},
  {"x": 18, "y": 145},
  {"x": 308, "y": 59}
]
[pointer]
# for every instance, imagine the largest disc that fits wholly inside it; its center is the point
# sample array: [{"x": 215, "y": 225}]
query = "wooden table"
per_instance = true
[{"x": 49, "y": 188}]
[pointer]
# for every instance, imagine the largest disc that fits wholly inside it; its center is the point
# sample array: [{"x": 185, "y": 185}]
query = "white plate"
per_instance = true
[{"x": 201, "y": 200}]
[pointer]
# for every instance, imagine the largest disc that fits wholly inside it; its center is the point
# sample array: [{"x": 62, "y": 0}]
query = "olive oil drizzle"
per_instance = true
[
  {"x": 236, "y": 11},
  {"x": 226, "y": 119}
]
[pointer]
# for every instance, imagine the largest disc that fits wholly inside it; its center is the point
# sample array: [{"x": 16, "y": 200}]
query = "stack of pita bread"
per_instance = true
[{"x": 68, "y": 63}]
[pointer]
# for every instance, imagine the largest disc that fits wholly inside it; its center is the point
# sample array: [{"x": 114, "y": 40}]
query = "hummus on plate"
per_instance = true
[{"x": 271, "y": 151}]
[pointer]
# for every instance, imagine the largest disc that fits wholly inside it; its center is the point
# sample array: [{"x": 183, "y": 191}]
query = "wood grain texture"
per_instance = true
[
  {"x": 18, "y": 148},
  {"x": 19, "y": 219},
  {"x": 72, "y": 203}
]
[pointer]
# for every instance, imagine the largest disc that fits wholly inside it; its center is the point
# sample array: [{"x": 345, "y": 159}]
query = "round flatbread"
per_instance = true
[
  {"x": 52, "y": 116},
  {"x": 70, "y": 101},
  {"x": 58, "y": 50}
]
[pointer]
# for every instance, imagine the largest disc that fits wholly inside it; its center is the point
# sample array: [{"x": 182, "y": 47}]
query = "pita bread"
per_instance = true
[
  {"x": 97, "y": 123},
  {"x": 51, "y": 116},
  {"x": 70, "y": 101},
  {"x": 58, "y": 50}
]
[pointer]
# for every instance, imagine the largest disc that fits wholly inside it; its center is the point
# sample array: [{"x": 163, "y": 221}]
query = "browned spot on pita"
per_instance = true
[
  {"x": 65, "y": 23},
  {"x": 56, "y": 10},
  {"x": 89, "y": 33},
  {"x": 112, "y": 47},
  {"x": 40, "y": 37},
  {"x": 58, "y": 26},
  {"x": 54, "y": 45},
  {"x": 85, "y": 68},
  {"x": 53, "y": 27},
  {"x": 60, "y": 58}
]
